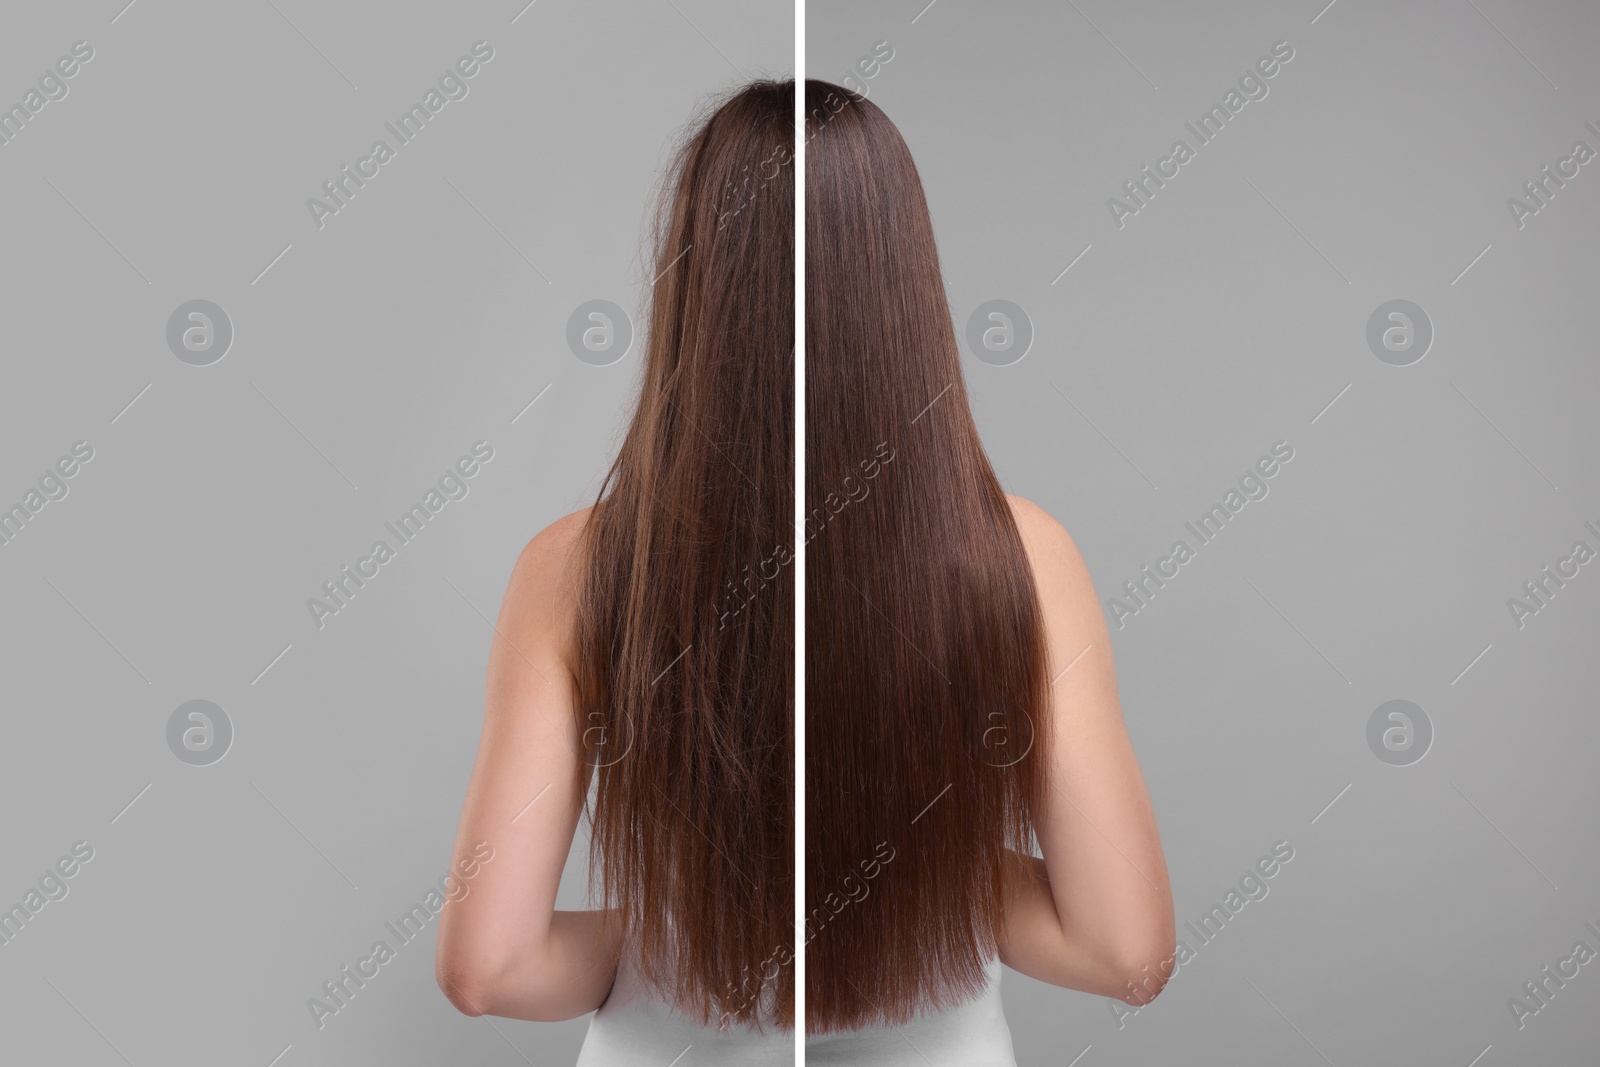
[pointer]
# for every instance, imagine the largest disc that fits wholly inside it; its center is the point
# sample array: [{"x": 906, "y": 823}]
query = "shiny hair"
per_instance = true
[
  {"x": 685, "y": 665},
  {"x": 925, "y": 671}
]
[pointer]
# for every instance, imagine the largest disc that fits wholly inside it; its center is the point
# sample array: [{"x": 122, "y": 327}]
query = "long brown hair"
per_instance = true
[
  {"x": 684, "y": 662},
  {"x": 925, "y": 659}
]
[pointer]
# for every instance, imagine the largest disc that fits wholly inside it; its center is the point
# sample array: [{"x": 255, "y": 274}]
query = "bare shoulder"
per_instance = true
[
  {"x": 1071, "y": 606},
  {"x": 1048, "y": 544},
  {"x": 541, "y": 598},
  {"x": 552, "y": 558}
]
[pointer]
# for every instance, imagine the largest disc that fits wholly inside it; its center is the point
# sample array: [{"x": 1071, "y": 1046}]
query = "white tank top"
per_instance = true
[
  {"x": 971, "y": 1034},
  {"x": 634, "y": 1026}
]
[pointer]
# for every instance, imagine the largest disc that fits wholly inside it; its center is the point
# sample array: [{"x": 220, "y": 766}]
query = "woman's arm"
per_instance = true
[
  {"x": 1095, "y": 913},
  {"x": 503, "y": 948}
]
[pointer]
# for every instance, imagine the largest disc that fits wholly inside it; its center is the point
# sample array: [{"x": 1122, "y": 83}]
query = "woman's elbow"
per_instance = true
[
  {"x": 1144, "y": 974},
  {"x": 468, "y": 987},
  {"x": 476, "y": 988}
]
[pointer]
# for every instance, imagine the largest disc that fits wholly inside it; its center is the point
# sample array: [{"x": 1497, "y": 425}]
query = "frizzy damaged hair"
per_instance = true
[
  {"x": 687, "y": 711},
  {"x": 925, "y": 662}
]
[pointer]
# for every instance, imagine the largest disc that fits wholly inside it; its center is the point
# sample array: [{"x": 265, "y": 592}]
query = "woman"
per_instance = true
[
  {"x": 961, "y": 701},
  {"x": 646, "y": 643}
]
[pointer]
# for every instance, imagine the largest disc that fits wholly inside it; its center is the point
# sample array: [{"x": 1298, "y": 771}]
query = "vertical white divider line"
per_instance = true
[{"x": 799, "y": 533}]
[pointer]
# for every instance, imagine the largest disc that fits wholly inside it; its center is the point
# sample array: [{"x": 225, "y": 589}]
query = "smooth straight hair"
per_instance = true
[
  {"x": 925, "y": 659},
  {"x": 686, "y": 622}
]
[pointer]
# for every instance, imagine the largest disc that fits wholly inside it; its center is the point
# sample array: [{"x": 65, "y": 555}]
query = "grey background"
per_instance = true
[
  {"x": 1225, "y": 316},
  {"x": 367, "y": 357}
]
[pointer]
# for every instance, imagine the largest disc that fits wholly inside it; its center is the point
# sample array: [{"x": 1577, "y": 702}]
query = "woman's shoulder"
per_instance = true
[
  {"x": 541, "y": 598},
  {"x": 1066, "y": 590},
  {"x": 554, "y": 552},
  {"x": 1042, "y": 534}
]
